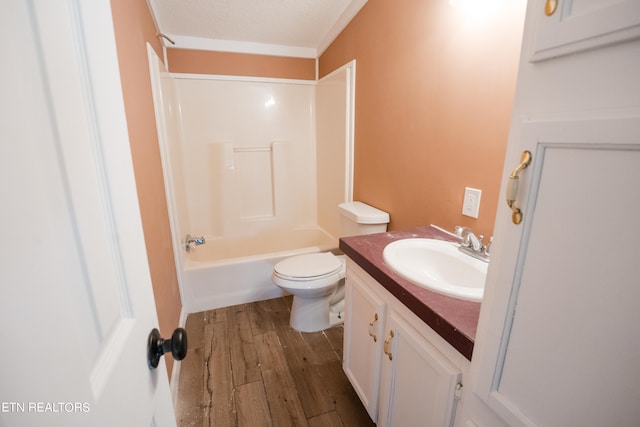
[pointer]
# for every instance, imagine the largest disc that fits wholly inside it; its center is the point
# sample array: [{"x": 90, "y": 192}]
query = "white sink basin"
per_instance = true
[{"x": 438, "y": 266}]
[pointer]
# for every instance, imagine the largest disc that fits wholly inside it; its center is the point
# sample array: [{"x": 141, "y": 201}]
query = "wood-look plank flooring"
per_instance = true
[{"x": 247, "y": 367}]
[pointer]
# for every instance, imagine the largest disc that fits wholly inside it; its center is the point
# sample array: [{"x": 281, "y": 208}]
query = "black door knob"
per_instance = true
[{"x": 157, "y": 346}]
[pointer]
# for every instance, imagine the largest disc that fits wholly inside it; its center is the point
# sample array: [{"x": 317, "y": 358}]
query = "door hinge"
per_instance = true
[{"x": 457, "y": 394}]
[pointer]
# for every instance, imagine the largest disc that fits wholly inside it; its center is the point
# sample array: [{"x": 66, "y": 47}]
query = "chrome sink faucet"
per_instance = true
[
  {"x": 472, "y": 245},
  {"x": 193, "y": 240}
]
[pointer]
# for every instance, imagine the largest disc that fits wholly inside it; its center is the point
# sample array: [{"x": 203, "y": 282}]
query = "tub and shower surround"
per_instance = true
[
  {"x": 249, "y": 157},
  {"x": 248, "y": 150}
]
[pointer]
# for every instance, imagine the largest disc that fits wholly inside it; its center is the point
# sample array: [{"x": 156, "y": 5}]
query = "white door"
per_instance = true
[
  {"x": 557, "y": 342},
  {"x": 76, "y": 303}
]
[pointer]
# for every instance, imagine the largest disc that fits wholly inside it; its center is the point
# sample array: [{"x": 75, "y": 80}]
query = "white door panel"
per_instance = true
[
  {"x": 557, "y": 337},
  {"x": 565, "y": 357},
  {"x": 77, "y": 304},
  {"x": 579, "y": 25}
]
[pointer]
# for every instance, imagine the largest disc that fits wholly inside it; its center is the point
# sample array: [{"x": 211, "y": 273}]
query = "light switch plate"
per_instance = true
[{"x": 471, "y": 203}]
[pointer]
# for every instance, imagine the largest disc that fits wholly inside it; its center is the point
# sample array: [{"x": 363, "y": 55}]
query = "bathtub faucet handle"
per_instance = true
[{"x": 196, "y": 241}]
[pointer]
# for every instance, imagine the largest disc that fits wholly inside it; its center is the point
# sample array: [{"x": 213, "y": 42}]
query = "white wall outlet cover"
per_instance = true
[{"x": 471, "y": 202}]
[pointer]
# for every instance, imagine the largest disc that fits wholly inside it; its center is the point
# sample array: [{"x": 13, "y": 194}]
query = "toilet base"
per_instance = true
[
  {"x": 314, "y": 314},
  {"x": 336, "y": 319},
  {"x": 336, "y": 313}
]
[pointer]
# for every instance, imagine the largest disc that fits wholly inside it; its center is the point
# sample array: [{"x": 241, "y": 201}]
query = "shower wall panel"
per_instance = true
[
  {"x": 334, "y": 141},
  {"x": 249, "y": 156}
]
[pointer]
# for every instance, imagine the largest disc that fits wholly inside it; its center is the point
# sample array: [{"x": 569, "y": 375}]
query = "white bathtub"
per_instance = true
[{"x": 225, "y": 272}]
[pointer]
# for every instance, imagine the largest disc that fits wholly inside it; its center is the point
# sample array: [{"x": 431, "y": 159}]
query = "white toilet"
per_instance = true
[{"x": 316, "y": 280}]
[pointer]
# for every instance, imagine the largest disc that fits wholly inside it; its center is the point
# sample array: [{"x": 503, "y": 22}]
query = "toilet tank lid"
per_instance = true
[{"x": 363, "y": 213}]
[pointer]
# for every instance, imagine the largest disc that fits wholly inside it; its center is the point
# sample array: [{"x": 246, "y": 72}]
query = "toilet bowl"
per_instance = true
[{"x": 316, "y": 282}]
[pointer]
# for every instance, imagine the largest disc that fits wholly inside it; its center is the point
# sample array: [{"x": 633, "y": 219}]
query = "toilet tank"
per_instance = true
[{"x": 358, "y": 218}]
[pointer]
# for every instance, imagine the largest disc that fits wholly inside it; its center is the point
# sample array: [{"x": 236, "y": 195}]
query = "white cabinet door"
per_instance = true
[
  {"x": 418, "y": 383},
  {"x": 76, "y": 304},
  {"x": 365, "y": 314}
]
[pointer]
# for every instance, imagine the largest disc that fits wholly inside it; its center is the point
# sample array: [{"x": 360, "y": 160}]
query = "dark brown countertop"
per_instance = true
[{"x": 453, "y": 319}]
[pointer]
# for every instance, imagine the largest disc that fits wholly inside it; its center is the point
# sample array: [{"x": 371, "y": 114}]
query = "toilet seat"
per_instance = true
[{"x": 309, "y": 267}]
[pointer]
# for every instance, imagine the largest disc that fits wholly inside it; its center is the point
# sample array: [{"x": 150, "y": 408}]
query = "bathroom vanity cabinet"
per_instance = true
[{"x": 404, "y": 373}]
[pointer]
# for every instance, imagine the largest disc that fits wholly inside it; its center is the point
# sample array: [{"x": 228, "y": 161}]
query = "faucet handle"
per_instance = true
[
  {"x": 480, "y": 242},
  {"x": 487, "y": 249},
  {"x": 463, "y": 232}
]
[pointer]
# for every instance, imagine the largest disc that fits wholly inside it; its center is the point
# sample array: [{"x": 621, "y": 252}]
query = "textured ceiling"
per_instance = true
[{"x": 300, "y": 27}]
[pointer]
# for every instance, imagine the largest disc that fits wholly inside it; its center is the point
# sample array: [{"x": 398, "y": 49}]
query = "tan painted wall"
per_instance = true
[
  {"x": 240, "y": 64},
  {"x": 134, "y": 27},
  {"x": 434, "y": 94}
]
